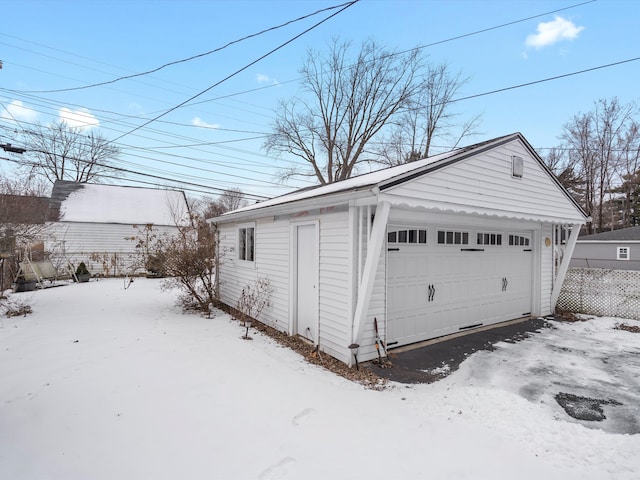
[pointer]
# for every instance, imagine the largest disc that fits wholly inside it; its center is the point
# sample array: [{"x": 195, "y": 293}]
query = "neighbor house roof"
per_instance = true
[
  {"x": 92, "y": 203},
  {"x": 628, "y": 234},
  {"x": 364, "y": 185}
]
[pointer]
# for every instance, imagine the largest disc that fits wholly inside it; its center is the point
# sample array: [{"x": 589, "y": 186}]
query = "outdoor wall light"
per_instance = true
[{"x": 247, "y": 324}]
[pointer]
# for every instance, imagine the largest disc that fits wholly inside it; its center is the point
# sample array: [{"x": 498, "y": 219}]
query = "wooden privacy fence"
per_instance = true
[{"x": 603, "y": 292}]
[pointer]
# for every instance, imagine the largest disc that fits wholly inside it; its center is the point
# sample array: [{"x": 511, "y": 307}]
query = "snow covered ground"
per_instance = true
[{"x": 106, "y": 383}]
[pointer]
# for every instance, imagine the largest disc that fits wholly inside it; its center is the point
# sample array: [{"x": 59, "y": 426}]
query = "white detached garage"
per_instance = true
[{"x": 463, "y": 239}]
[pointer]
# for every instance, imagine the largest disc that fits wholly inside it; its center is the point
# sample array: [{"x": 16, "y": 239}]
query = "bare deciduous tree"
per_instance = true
[
  {"x": 629, "y": 165},
  {"x": 594, "y": 140},
  {"x": 428, "y": 116},
  {"x": 230, "y": 199},
  {"x": 348, "y": 103},
  {"x": 61, "y": 152}
]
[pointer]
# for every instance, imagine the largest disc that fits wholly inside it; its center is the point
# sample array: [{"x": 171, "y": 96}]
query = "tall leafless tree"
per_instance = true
[
  {"x": 629, "y": 166},
  {"x": 62, "y": 152},
  {"x": 594, "y": 143},
  {"x": 230, "y": 199},
  {"x": 347, "y": 103},
  {"x": 428, "y": 116}
]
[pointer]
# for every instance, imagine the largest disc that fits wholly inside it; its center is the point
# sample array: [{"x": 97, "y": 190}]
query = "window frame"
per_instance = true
[
  {"x": 489, "y": 238},
  {"x": 413, "y": 235},
  {"x": 452, "y": 237},
  {"x": 627, "y": 253},
  {"x": 247, "y": 238}
]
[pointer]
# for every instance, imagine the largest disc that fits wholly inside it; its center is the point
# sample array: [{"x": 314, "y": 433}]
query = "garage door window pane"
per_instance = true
[
  {"x": 402, "y": 236},
  {"x": 453, "y": 238},
  {"x": 422, "y": 238},
  {"x": 392, "y": 237}
]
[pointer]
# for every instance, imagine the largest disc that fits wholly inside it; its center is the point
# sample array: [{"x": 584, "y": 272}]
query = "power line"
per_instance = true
[
  {"x": 125, "y": 170},
  {"x": 548, "y": 79},
  {"x": 200, "y": 55},
  {"x": 239, "y": 70}
]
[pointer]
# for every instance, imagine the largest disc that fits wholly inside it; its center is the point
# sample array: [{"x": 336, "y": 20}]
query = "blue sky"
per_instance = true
[{"x": 216, "y": 140}]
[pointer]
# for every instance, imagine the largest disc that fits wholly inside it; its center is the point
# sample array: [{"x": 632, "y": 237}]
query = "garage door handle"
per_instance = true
[
  {"x": 505, "y": 284},
  {"x": 432, "y": 293}
]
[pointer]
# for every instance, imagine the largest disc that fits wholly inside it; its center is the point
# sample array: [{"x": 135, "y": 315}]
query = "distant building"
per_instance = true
[
  {"x": 617, "y": 249},
  {"x": 94, "y": 224}
]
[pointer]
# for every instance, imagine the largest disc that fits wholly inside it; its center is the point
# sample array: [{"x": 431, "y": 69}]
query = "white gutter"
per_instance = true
[{"x": 294, "y": 206}]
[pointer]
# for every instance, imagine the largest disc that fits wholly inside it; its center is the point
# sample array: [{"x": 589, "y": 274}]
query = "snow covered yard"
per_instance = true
[{"x": 106, "y": 383}]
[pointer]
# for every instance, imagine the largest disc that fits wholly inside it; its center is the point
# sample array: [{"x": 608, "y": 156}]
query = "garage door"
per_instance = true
[{"x": 444, "y": 280}]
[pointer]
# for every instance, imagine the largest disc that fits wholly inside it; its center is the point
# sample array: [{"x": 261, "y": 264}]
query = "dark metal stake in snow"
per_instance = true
[{"x": 247, "y": 324}]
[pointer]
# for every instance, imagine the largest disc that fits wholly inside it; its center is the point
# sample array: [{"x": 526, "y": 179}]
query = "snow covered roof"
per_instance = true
[
  {"x": 368, "y": 183},
  {"x": 84, "y": 202}
]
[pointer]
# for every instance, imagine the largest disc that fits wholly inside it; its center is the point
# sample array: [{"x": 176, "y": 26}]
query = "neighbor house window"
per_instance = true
[
  {"x": 246, "y": 243},
  {"x": 623, "y": 253}
]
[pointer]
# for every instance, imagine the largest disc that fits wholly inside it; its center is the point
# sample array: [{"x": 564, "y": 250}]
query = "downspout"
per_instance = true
[
  {"x": 374, "y": 248},
  {"x": 564, "y": 265}
]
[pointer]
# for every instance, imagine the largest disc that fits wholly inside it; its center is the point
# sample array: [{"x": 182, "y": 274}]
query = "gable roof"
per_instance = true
[
  {"x": 630, "y": 233},
  {"x": 93, "y": 203},
  {"x": 381, "y": 180}
]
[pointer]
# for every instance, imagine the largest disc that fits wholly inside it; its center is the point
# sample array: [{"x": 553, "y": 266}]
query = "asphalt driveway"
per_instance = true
[
  {"x": 585, "y": 371},
  {"x": 437, "y": 359}
]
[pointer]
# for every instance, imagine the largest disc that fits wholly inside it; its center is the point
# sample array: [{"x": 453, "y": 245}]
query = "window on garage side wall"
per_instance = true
[{"x": 246, "y": 242}]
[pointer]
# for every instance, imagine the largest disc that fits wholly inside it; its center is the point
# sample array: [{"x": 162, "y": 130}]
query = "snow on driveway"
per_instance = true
[
  {"x": 589, "y": 359},
  {"x": 106, "y": 383}
]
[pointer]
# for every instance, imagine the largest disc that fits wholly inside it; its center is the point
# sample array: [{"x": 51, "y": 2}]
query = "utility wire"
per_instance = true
[
  {"x": 239, "y": 70},
  {"x": 233, "y": 42},
  {"x": 548, "y": 79},
  {"x": 125, "y": 170}
]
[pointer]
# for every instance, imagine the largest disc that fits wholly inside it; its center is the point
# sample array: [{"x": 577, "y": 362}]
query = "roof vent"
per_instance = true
[{"x": 517, "y": 166}]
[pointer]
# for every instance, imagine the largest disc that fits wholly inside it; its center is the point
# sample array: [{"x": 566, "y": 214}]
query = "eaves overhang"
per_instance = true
[{"x": 294, "y": 206}]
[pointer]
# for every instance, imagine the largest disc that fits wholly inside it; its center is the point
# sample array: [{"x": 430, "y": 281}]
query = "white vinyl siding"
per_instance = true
[
  {"x": 335, "y": 317},
  {"x": 484, "y": 185},
  {"x": 271, "y": 261},
  {"x": 104, "y": 247}
]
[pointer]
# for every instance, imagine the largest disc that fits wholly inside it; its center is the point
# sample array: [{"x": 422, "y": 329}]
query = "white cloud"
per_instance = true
[
  {"x": 552, "y": 32},
  {"x": 266, "y": 79},
  {"x": 16, "y": 111},
  {"x": 81, "y": 118},
  {"x": 198, "y": 122}
]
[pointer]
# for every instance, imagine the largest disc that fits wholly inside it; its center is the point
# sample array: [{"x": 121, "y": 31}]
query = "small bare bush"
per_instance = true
[
  {"x": 188, "y": 261},
  {"x": 254, "y": 299}
]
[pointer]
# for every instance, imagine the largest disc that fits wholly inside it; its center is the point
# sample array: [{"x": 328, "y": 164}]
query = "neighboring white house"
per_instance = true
[
  {"x": 91, "y": 223},
  {"x": 430, "y": 248},
  {"x": 616, "y": 249}
]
